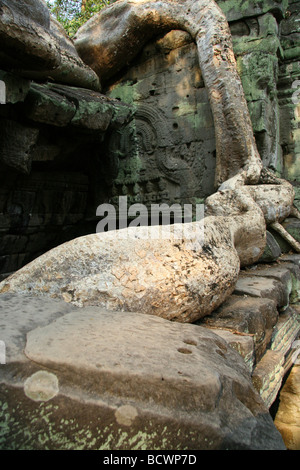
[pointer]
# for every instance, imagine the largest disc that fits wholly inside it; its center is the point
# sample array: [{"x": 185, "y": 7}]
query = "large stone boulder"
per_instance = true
[
  {"x": 93, "y": 379},
  {"x": 36, "y": 46}
]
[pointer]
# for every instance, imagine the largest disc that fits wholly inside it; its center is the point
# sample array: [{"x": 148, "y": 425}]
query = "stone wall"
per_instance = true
[
  {"x": 164, "y": 83},
  {"x": 52, "y": 121},
  {"x": 167, "y": 153},
  {"x": 50, "y": 161},
  {"x": 289, "y": 96}
]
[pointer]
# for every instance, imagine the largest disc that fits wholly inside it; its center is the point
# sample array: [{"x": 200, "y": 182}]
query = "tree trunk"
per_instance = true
[{"x": 110, "y": 40}]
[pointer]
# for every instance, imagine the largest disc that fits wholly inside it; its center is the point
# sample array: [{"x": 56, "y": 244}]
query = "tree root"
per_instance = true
[
  {"x": 151, "y": 275},
  {"x": 295, "y": 212},
  {"x": 286, "y": 236}
]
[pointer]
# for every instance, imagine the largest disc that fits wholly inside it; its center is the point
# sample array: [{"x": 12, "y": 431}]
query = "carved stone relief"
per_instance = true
[{"x": 167, "y": 153}]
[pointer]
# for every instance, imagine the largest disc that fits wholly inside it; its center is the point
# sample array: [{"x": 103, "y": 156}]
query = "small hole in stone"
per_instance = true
[
  {"x": 220, "y": 353},
  {"x": 184, "y": 351},
  {"x": 190, "y": 341},
  {"x": 175, "y": 125}
]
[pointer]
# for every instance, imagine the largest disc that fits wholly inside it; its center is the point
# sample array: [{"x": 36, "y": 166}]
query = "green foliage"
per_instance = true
[{"x": 74, "y": 13}]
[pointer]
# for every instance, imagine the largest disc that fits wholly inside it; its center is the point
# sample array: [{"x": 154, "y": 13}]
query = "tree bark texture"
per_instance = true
[{"x": 111, "y": 39}]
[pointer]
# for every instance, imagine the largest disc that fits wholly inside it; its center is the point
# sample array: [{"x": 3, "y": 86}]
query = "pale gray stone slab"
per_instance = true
[
  {"x": 111, "y": 346},
  {"x": 21, "y": 313},
  {"x": 120, "y": 380},
  {"x": 265, "y": 287}
]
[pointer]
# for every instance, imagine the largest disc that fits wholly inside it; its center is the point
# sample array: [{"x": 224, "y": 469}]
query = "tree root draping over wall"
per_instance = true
[
  {"x": 177, "y": 279},
  {"x": 113, "y": 38}
]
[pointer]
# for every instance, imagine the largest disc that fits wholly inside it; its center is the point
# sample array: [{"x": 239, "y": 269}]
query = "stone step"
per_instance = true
[
  {"x": 286, "y": 330},
  {"x": 241, "y": 342},
  {"x": 290, "y": 258},
  {"x": 246, "y": 315},
  {"x": 263, "y": 307},
  {"x": 287, "y": 272},
  {"x": 263, "y": 287},
  {"x": 287, "y": 418},
  {"x": 88, "y": 378},
  {"x": 279, "y": 282}
]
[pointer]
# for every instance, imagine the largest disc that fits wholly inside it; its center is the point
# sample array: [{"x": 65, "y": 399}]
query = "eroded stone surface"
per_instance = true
[
  {"x": 288, "y": 415},
  {"x": 22, "y": 313},
  {"x": 263, "y": 287},
  {"x": 16, "y": 145},
  {"x": 268, "y": 375},
  {"x": 129, "y": 381},
  {"x": 247, "y": 315},
  {"x": 286, "y": 331},
  {"x": 243, "y": 343}
]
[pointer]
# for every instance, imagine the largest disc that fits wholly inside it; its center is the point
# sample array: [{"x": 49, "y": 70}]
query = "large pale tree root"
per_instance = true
[
  {"x": 178, "y": 278},
  {"x": 180, "y": 272}
]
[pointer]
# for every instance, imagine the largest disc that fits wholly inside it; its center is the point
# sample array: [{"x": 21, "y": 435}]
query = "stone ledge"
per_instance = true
[
  {"x": 118, "y": 380},
  {"x": 246, "y": 316},
  {"x": 264, "y": 308},
  {"x": 286, "y": 330},
  {"x": 267, "y": 376},
  {"x": 25, "y": 140},
  {"x": 243, "y": 343},
  {"x": 262, "y": 287}
]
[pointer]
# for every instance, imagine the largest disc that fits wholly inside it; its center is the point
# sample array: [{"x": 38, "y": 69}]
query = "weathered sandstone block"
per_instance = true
[
  {"x": 16, "y": 145},
  {"x": 246, "y": 315},
  {"x": 180, "y": 272},
  {"x": 93, "y": 379}
]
